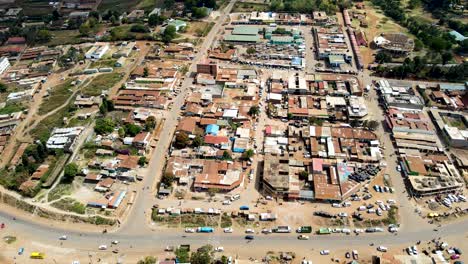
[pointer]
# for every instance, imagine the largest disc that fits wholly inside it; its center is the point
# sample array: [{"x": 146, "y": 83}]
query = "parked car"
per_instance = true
[
  {"x": 325, "y": 252},
  {"x": 303, "y": 237},
  {"x": 249, "y": 237},
  {"x": 102, "y": 247},
  {"x": 189, "y": 230},
  {"x": 228, "y": 230},
  {"x": 249, "y": 231},
  {"x": 64, "y": 237},
  {"x": 382, "y": 249}
]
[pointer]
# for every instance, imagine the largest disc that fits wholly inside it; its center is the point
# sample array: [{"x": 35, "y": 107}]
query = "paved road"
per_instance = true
[{"x": 136, "y": 223}]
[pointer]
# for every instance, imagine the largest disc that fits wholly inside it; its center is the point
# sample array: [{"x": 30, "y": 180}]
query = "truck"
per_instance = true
[
  {"x": 282, "y": 229},
  {"x": 304, "y": 229},
  {"x": 324, "y": 231},
  {"x": 205, "y": 229}
]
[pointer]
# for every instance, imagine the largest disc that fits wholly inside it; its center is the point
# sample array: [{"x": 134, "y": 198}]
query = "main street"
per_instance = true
[
  {"x": 135, "y": 234},
  {"x": 137, "y": 221}
]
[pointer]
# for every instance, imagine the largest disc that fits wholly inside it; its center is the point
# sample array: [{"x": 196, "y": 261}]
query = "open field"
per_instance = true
[
  {"x": 101, "y": 83},
  {"x": 63, "y": 37},
  {"x": 248, "y": 7},
  {"x": 35, "y": 8},
  {"x": 58, "y": 96}
]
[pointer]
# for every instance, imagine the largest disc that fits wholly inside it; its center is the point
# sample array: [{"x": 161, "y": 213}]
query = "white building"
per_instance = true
[
  {"x": 64, "y": 138},
  {"x": 97, "y": 51},
  {"x": 4, "y": 64}
]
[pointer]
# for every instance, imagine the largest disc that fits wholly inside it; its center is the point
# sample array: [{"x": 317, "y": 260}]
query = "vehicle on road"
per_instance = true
[
  {"x": 382, "y": 249},
  {"x": 266, "y": 231},
  {"x": 37, "y": 255},
  {"x": 249, "y": 237},
  {"x": 282, "y": 229},
  {"x": 219, "y": 249},
  {"x": 244, "y": 207},
  {"x": 355, "y": 254},
  {"x": 189, "y": 230},
  {"x": 249, "y": 231},
  {"x": 325, "y": 252},
  {"x": 115, "y": 242},
  {"x": 102, "y": 247},
  {"x": 303, "y": 237},
  {"x": 115, "y": 251},
  {"x": 64, "y": 237},
  {"x": 228, "y": 230},
  {"x": 304, "y": 229},
  {"x": 21, "y": 251},
  {"x": 205, "y": 229},
  {"x": 227, "y": 202}
]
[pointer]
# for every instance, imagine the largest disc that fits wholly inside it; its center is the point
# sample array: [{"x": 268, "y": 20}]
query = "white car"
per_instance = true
[
  {"x": 64, "y": 237},
  {"x": 249, "y": 231},
  {"x": 115, "y": 242},
  {"x": 228, "y": 230},
  {"x": 358, "y": 230},
  {"x": 343, "y": 215},
  {"x": 102, "y": 247},
  {"x": 398, "y": 168},
  {"x": 325, "y": 252},
  {"x": 189, "y": 230},
  {"x": 219, "y": 249},
  {"x": 226, "y": 202},
  {"x": 266, "y": 231},
  {"x": 346, "y": 231},
  {"x": 382, "y": 249}
]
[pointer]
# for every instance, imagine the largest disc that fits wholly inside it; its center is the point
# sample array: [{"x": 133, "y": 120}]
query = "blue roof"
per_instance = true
[
  {"x": 296, "y": 61},
  {"x": 457, "y": 35},
  {"x": 452, "y": 86},
  {"x": 212, "y": 129}
]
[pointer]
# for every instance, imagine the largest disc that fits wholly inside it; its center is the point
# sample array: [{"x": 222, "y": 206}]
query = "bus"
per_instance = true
[{"x": 37, "y": 255}]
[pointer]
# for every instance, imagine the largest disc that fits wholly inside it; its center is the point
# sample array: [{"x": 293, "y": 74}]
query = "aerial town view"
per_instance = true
[{"x": 234, "y": 131}]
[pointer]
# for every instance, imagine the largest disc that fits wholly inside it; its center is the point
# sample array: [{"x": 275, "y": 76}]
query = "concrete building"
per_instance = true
[
  {"x": 4, "y": 64},
  {"x": 64, "y": 138},
  {"x": 452, "y": 125},
  {"x": 208, "y": 67},
  {"x": 97, "y": 51}
]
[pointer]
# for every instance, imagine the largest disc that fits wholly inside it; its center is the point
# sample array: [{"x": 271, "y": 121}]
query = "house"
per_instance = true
[
  {"x": 92, "y": 177},
  {"x": 178, "y": 24},
  {"x": 135, "y": 15},
  {"x": 4, "y": 64},
  {"x": 41, "y": 171},
  {"x": 141, "y": 140},
  {"x": 187, "y": 125},
  {"x": 104, "y": 185},
  {"x": 97, "y": 51}
]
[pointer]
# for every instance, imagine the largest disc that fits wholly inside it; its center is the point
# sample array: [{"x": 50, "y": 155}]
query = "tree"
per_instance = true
[
  {"x": 226, "y": 155},
  {"x": 248, "y": 154},
  {"x": 372, "y": 124},
  {"x": 251, "y": 50},
  {"x": 199, "y": 12},
  {"x": 148, "y": 260},
  {"x": 169, "y": 33},
  {"x": 70, "y": 171},
  {"x": 121, "y": 132},
  {"x": 85, "y": 29},
  {"x": 139, "y": 28},
  {"x": 145, "y": 72},
  {"x": 203, "y": 255},
  {"x": 383, "y": 57},
  {"x": 104, "y": 126},
  {"x": 3, "y": 87},
  {"x": 212, "y": 191},
  {"x": 43, "y": 35},
  {"x": 182, "y": 255},
  {"x": 167, "y": 179},
  {"x": 181, "y": 140},
  {"x": 446, "y": 57},
  {"x": 154, "y": 20},
  {"x": 150, "y": 123},
  {"x": 254, "y": 110},
  {"x": 55, "y": 15},
  {"x": 303, "y": 175},
  {"x": 142, "y": 161},
  {"x": 132, "y": 129},
  {"x": 197, "y": 141}
]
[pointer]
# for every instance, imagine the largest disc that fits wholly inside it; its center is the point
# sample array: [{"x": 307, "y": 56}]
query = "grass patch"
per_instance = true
[
  {"x": 122, "y": 5},
  {"x": 100, "y": 83},
  {"x": 11, "y": 108},
  {"x": 59, "y": 191},
  {"x": 43, "y": 129},
  {"x": 64, "y": 37},
  {"x": 9, "y": 239},
  {"x": 103, "y": 63},
  {"x": 58, "y": 96},
  {"x": 248, "y": 7},
  {"x": 196, "y": 220},
  {"x": 70, "y": 205},
  {"x": 226, "y": 220}
]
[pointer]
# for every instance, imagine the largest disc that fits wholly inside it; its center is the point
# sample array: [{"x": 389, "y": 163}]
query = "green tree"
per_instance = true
[
  {"x": 383, "y": 57},
  {"x": 371, "y": 124},
  {"x": 169, "y": 34},
  {"x": 226, "y": 155},
  {"x": 142, "y": 161},
  {"x": 197, "y": 141},
  {"x": 248, "y": 154},
  {"x": 85, "y": 29},
  {"x": 254, "y": 110},
  {"x": 43, "y": 35},
  {"x": 132, "y": 129},
  {"x": 3, "y": 87},
  {"x": 121, "y": 132},
  {"x": 69, "y": 172},
  {"x": 181, "y": 140},
  {"x": 203, "y": 255},
  {"x": 150, "y": 123},
  {"x": 154, "y": 20},
  {"x": 139, "y": 28},
  {"x": 251, "y": 50},
  {"x": 303, "y": 175},
  {"x": 182, "y": 255},
  {"x": 148, "y": 260},
  {"x": 446, "y": 57},
  {"x": 167, "y": 179},
  {"x": 145, "y": 72},
  {"x": 199, "y": 12},
  {"x": 104, "y": 126}
]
